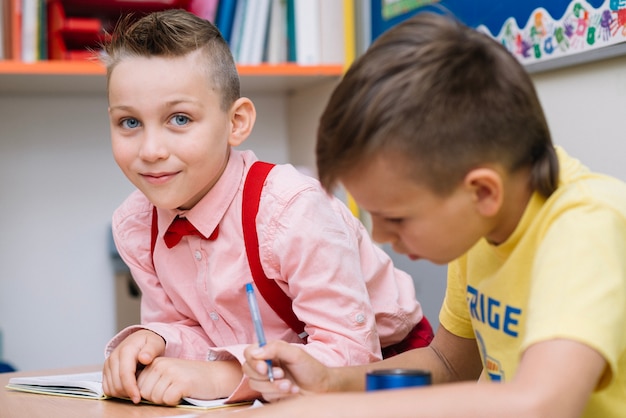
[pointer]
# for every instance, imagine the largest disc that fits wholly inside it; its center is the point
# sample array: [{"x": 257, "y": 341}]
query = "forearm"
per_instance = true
[
  {"x": 549, "y": 383},
  {"x": 349, "y": 379},
  {"x": 468, "y": 400}
]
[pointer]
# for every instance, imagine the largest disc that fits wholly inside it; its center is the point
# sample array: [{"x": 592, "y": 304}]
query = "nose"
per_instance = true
[{"x": 153, "y": 146}]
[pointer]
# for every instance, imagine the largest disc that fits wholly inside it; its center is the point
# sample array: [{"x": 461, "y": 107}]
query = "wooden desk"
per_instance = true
[{"x": 29, "y": 405}]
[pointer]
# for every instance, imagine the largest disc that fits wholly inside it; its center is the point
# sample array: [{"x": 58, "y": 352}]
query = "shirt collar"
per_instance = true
[{"x": 208, "y": 212}]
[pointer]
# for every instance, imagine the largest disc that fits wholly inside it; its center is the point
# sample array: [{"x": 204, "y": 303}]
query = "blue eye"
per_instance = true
[
  {"x": 130, "y": 123},
  {"x": 180, "y": 120}
]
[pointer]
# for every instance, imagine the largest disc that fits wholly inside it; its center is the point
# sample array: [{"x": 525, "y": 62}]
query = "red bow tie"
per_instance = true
[{"x": 181, "y": 227}]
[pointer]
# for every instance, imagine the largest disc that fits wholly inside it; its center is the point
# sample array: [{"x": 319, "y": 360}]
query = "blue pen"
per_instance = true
[{"x": 258, "y": 325}]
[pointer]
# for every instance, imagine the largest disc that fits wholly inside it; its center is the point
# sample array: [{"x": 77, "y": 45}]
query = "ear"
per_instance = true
[
  {"x": 242, "y": 117},
  {"x": 486, "y": 187}
]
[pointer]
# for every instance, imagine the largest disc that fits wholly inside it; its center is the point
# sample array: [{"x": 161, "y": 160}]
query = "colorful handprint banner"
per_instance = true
[
  {"x": 535, "y": 31},
  {"x": 581, "y": 27}
]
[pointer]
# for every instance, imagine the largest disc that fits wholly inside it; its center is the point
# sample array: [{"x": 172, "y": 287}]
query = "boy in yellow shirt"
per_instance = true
[{"x": 438, "y": 132}]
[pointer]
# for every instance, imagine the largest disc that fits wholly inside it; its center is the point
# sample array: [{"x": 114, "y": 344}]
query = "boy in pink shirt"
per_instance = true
[{"x": 175, "y": 116}]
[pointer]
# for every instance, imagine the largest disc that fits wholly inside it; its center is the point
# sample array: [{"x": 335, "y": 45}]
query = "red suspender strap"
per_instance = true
[
  {"x": 154, "y": 232},
  {"x": 271, "y": 292}
]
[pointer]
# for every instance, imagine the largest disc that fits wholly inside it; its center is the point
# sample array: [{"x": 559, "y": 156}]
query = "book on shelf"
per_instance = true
[
  {"x": 349, "y": 27},
  {"x": 307, "y": 31},
  {"x": 317, "y": 31},
  {"x": 276, "y": 43},
  {"x": 89, "y": 385},
  {"x": 4, "y": 27},
  {"x": 238, "y": 24},
  {"x": 291, "y": 31},
  {"x": 254, "y": 32},
  {"x": 332, "y": 32},
  {"x": 13, "y": 29},
  {"x": 42, "y": 30},
  {"x": 225, "y": 17},
  {"x": 30, "y": 28}
]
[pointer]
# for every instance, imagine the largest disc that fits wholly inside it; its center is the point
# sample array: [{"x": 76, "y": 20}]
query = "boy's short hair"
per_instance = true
[
  {"x": 442, "y": 98},
  {"x": 175, "y": 33}
]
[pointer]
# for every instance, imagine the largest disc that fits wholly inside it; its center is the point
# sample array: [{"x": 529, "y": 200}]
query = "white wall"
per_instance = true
[
  {"x": 59, "y": 186},
  {"x": 586, "y": 110}
]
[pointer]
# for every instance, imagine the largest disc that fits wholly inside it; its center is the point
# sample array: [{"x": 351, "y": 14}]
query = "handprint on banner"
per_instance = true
[
  {"x": 583, "y": 23},
  {"x": 561, "y": 40},
  {"x": 568, "y": 26},
  {"x": 621, "y": 20},
  {"x": 617, "y": 4},
  {"x": 606, "y": 20},
  {"x": 539, "y": 27}
]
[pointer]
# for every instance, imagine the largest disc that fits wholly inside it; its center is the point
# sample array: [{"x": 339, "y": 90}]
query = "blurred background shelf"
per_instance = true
[{"x": 84, "y": 77}]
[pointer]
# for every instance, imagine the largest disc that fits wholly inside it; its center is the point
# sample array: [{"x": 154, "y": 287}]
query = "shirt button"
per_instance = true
[
  {"x": 198, "y": 255},
  {"x": 360, "y": 318},
  {"x": 214, "y": 316}
]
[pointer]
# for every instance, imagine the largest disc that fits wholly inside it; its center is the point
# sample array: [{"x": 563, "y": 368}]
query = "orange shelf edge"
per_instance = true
[
  {"x": 52, "y": 68},
  {"x": 96, "y": 68},
  {"x": 290, "y": 69}
]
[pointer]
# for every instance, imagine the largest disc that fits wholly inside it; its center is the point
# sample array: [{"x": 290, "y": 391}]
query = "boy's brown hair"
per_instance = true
[
  {"x": 443, "y": 99},
  {"x": 175, "y": 33}
]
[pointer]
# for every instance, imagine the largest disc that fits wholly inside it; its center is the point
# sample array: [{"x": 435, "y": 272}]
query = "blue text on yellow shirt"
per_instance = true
[{"x": 492, "y": 312}]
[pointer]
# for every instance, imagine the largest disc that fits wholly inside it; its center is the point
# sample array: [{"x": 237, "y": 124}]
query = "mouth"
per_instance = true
[
  {"x": 158, "y": 178},
  {"x": 413, "y": 257}
]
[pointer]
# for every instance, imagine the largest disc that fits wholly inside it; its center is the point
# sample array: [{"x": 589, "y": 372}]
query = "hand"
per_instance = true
[
  {"x": 295, "y": 371},
  {"x": 167, "y": 380},
  {"x": 120, "y": 368}
]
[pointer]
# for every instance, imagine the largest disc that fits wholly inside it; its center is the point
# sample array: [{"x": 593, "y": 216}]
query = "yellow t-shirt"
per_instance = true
[{"x": 561, "y": 274}]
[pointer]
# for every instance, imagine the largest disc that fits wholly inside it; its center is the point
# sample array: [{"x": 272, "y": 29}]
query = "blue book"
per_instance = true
[
  {"x": 291, "y": 31},
  {"x": 225, "y": 17}
]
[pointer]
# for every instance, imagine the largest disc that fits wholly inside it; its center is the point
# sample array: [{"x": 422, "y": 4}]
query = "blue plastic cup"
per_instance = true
[{"x": 396, "y": 379}]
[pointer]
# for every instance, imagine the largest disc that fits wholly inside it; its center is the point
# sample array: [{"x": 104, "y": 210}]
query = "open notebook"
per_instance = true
[{"x": 89, "y": 385}]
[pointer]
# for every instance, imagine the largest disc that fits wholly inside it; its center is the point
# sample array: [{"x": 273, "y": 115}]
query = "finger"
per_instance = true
[
  {"x": 107, "y": 383},
  {"x": 151, "y": 349},
  {"x": 172, "y": 395},
  {"x": 112, "y": 383},
  {"x": 126, "y": 379},
  {"x": 272, "y": 391},
  {"x": 158, "y": 388},
  {"x": 279, "y": 350},
  {"x": 275, "y": 397}
]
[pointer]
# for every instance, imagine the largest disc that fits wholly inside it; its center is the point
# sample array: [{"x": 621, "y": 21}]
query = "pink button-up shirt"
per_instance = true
[{"x": 344, "y": 288}]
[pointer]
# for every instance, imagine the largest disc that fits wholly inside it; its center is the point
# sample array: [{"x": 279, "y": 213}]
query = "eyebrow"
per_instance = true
[
  {"x": 179, "y": 101},
  {"x": 167, "y": 104},
  {"x": 120, "y": 107}
]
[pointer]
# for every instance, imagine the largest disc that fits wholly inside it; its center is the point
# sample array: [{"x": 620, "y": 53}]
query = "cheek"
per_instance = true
[
  {"x": 123, "y": 154},
  {"x": 202, "y": 165}
]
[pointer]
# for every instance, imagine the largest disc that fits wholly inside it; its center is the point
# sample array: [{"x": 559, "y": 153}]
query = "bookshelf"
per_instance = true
[{"x": 62, "y": 66}]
